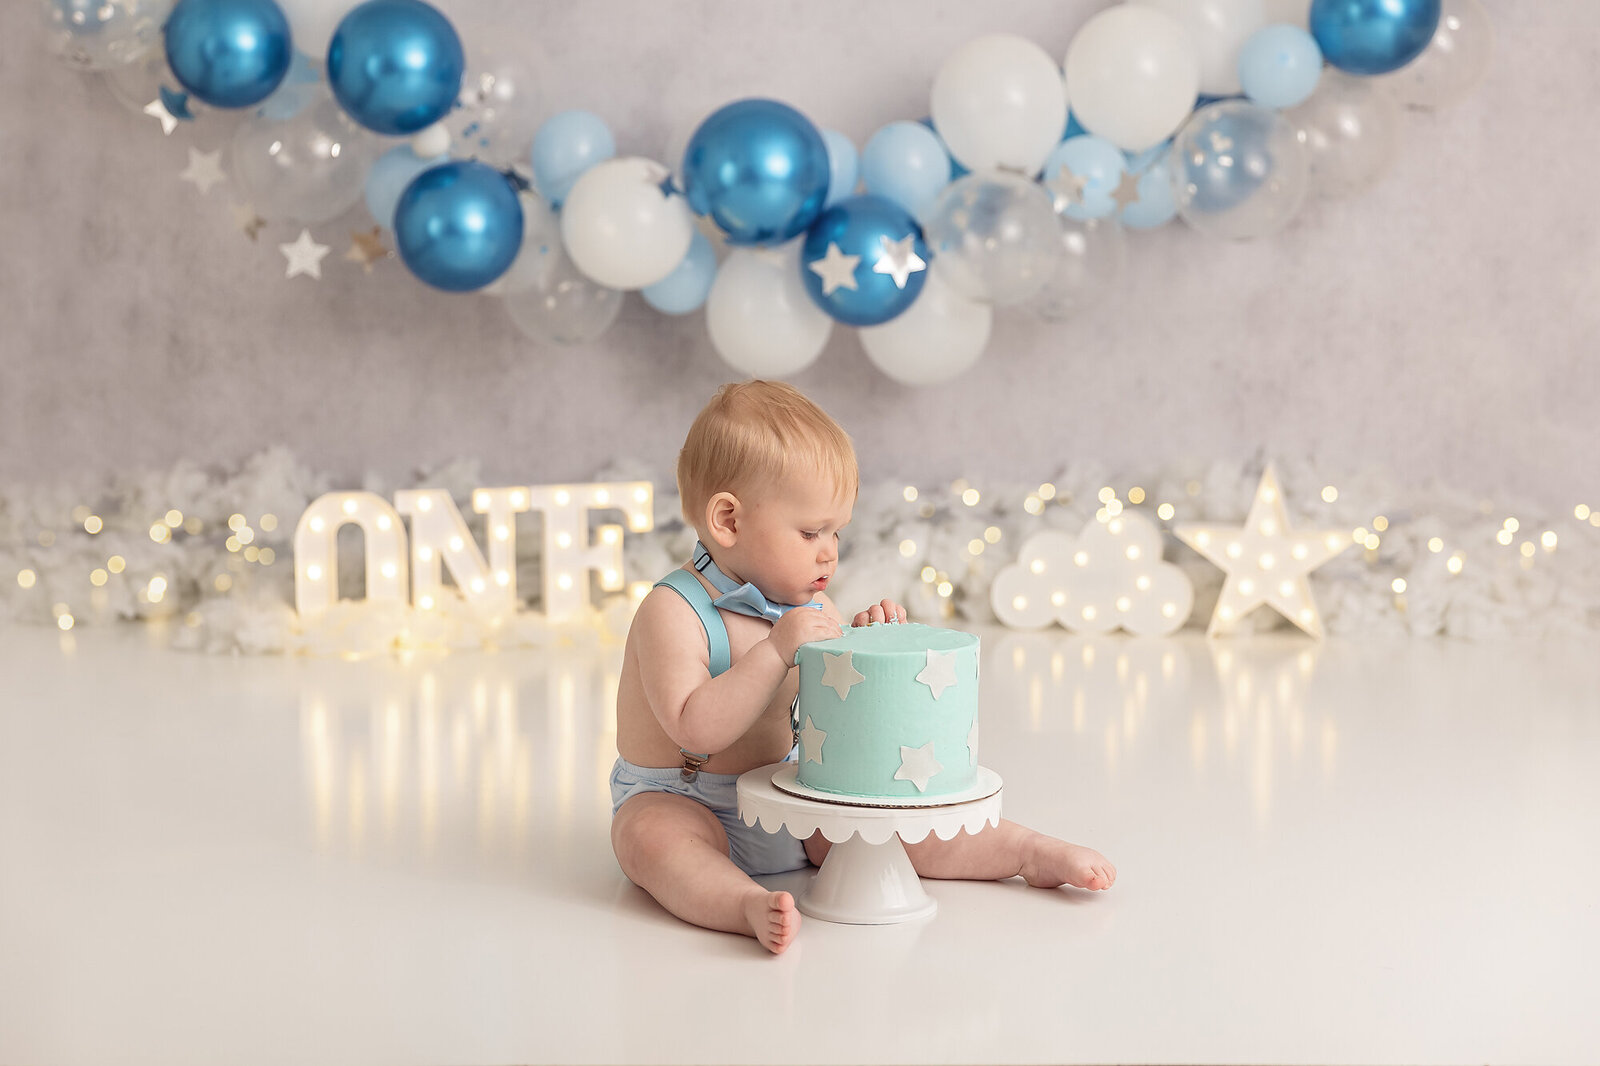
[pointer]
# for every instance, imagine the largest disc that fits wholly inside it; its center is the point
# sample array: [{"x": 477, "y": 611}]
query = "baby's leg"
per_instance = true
[
  {"x": 676, "y": 850},
  {"x": 1007, "y": 850}
]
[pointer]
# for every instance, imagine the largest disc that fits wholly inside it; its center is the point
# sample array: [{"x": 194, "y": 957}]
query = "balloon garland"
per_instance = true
[{"x": 1017, "y": 189}]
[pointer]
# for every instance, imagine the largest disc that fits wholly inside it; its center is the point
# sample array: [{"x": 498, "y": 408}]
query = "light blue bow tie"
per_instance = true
[{"x": 740, "y": 599}]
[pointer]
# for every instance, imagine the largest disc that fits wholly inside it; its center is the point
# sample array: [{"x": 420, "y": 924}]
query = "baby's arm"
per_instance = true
[{"x": 704, "y": 713}]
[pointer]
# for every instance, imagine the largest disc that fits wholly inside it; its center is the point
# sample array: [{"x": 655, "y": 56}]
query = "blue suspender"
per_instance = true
[{"x": 686, "y": 585}]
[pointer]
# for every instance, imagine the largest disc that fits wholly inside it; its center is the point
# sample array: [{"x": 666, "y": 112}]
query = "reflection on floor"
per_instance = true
[{"x": 1340, "y": 852}]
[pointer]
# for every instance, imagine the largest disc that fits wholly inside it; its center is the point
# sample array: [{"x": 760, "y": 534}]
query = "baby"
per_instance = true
[{"x": 768, "y": 481}]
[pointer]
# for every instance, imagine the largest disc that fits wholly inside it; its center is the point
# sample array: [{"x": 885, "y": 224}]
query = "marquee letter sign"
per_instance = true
[{"x": 440, "y": 540}]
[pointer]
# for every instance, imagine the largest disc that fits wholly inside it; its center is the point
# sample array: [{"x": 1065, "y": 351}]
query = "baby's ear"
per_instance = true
[{"x": 722, "y": 518}]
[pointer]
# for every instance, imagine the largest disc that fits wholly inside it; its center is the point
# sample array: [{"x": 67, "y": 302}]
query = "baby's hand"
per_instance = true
[
  {"x": 887, "y": 611},
  {"x": 801, "y": 626}
]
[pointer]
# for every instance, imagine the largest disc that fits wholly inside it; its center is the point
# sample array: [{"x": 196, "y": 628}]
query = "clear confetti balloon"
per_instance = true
[
  {"x": 1094, "y": 256},
  {"x": 548, "y": 298},
  {"x": 1238, "y": 170},
  {"x": 1453, "y": 62},
  {"x": 995, "y": 235},
  {"x": 103, "y": 34},
  {"x": 497, "y": 110},
  {"x": 310, "y": 168},
  {"x": 1351, "y": 130}
]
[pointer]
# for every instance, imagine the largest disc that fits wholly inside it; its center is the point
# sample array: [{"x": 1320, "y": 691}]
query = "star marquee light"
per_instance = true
[{"x": 1266, "y": 562}]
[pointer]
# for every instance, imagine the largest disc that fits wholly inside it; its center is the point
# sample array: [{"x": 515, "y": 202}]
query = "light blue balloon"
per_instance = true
[
  {"x": 686, "y": 288},
  {"x": 388, "y": 178},
  {"x": 395, "y": 65},
  {"x": 569, "y": 143},
  {"x": 458, "y": 226},
  {"x": 1156, "y": 205},
  {"x": 1373, "y": 36},
  {"x": 1099, "y": 163},
  {"x": 844, "y": 166},
  {"x": 228, "y": 53},
  {"x": 956, "y": 169},
  {"x": 906, "y": 162},
  {"x": 1279, "y": 66}
]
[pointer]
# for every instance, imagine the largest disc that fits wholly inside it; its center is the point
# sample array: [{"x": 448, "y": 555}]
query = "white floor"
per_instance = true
[{"x": 1335, "y": 854}]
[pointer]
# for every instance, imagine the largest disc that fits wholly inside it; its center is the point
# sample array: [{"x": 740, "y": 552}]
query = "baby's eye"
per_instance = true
[{"x": 810, "y": 534}]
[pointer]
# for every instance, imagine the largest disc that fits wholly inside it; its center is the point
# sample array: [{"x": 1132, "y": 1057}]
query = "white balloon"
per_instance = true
[
  {"x": 312, "y": 22},
  {"x": 1351, "y": 130},
  {"x": 936, "y": 339},
  {"x": 620, "y": 228},
  {"x": 760, "y": 317},
  {"x": 1133, "y": 74},
  {"x": 1219, "y": 28},
  {"x": 1453, "y": 62},
  {"x": 998, "y": 101}
]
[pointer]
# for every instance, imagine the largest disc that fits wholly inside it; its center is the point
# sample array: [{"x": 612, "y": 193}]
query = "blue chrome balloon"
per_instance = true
[
  {"x": 228, "y": 53},
  {"x": 458, "y": 226},
  {"x": 686, "y": 288},
  {"x": 1279, "y": 66},
  {"x": 861, "y": 226},
  {"x": 395, "y": 65},
  {"x": 1373, "y": 36},
  {"x": 568, "y": 144},
  {"x": 759, "y": 168},
  {"x": 1099, "y": 163}
]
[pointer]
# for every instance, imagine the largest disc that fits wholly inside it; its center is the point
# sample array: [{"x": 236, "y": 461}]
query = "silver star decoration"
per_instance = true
[
  {"x": 811, "y": 739},
  {"x": 304, "y": 255},
  {"x": 899, "y": 259},
  {"x": 1266, "y": 562},
  {"x": 972, "y": 744},
  {"x": 839, "y": 674},
  {"x": 1127, "y": 190},
  {"x": 1066, "y": 187},
  {"x": 837, "y": 270},
  {"x": 157, "y": 109},
  {"x": 245, "y": 217},
  {"x": 918, "y": 766},
  {"x": 204, "y": 170},
  {"x": 940, "y": 673}
]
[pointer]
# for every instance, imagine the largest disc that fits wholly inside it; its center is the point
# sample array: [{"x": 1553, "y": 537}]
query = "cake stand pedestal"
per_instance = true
[{"x": 867, "y": 878}]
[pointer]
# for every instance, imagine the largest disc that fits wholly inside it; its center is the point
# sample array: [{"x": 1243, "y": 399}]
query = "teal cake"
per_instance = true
[{"x": 889, "y": 711}]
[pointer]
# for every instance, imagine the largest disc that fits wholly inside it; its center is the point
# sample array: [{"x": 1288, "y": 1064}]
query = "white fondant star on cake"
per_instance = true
[
  {"x": 918, "y": 766},
  {"x": 811, "y": 739},
  {"x": 940, "y": 673},
  {"x": 839, "y": 674}
]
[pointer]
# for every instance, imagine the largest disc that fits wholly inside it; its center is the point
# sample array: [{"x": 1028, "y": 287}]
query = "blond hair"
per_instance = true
[{"x": 760, "y": 433}]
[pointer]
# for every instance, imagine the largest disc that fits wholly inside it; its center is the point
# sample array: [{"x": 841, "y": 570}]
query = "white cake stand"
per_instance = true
[{"x": 867, "y": 878}]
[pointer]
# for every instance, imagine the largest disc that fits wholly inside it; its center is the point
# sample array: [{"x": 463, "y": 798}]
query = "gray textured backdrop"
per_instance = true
[{"x": 1441, "y": 325}]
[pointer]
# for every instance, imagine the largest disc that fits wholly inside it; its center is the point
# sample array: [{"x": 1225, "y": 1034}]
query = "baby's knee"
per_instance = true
[{"x": 651, "y": 826}]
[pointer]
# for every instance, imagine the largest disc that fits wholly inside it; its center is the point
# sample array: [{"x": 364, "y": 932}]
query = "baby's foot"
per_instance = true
[
  {"x": 1054, "y": 863},
  {"x": 773, "y": 919}
]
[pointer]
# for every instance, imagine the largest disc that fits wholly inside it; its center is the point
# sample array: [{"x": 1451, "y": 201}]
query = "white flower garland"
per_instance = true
[{"x": 1522, "y": 570}]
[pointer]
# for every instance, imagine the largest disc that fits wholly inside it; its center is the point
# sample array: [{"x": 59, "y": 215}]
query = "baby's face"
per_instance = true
[{"x": 788, "y": 539}]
